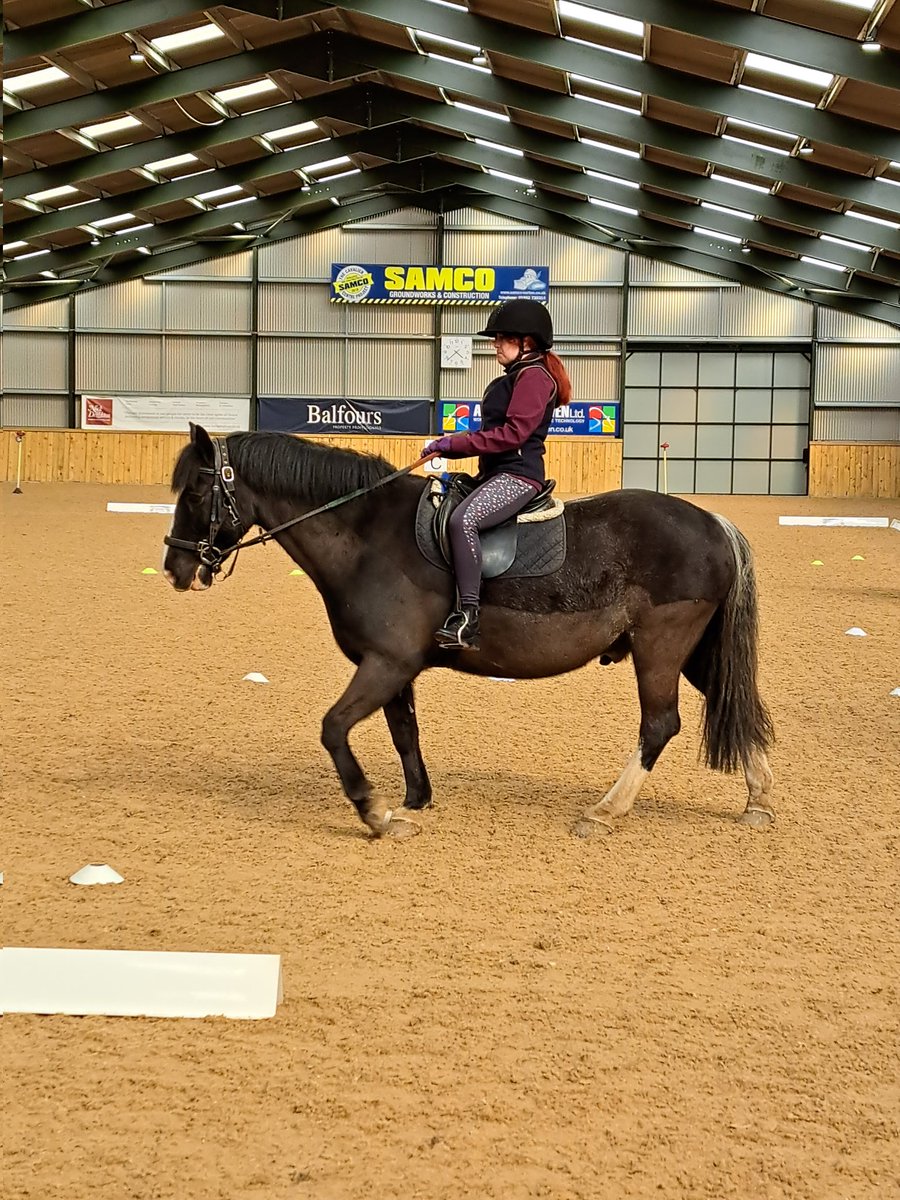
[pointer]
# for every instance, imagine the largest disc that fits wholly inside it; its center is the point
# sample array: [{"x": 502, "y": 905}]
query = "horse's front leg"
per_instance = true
[
  {"x": 401, "y": 718},
  {"x": 376, "y": 683}
]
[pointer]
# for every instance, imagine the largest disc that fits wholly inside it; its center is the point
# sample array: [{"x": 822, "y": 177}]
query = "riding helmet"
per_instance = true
[{"x": 522, "y": 318}]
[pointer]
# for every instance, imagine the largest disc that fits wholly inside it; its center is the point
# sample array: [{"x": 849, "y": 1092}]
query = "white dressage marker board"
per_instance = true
[
  {"x": 139, "y": 983},
  {"x": 122, "y": 506},
  {"x": 863, "y": 522}
]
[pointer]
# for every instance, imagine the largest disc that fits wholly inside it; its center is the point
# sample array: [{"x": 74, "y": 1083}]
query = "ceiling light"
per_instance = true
[
  {"x": 607, "y": 146},
  {"x": 612, "y": 179},
  {"x": 605, "y": 20},
  {"x": 177, "y": 160},
  {"x": 326, "y": 163},
  {"x": 745, "y": 249},
  {"x": 457, "y": 62},
  {"x": 497, "y": 146},
  {"x": 806, "y": 148},
  {"x": 511, "y": 178},
  {"x": 820, "y": 262},
  {"x": 445, "y": 41},
  {"x": 136, "y": 57},
  {"x": 143, "y": 250},
  {"x": 246, "y": 89},
  {"x": 116, "y": 220},
  {"x": 187, "y": 37},
  {"x": 52, "y": 193},
  {"x": 14, "y": 245},
  {"x": 116, "y": 125},
  {"x": 714, "y": 233},
  {"x": 751, "y": 187},
  {"x": 871, "y": 46},
  {"x": 858, "y": 216},
  {"x": 480, "y": 60},
  {"x": 728, "y": 212},
  {"x": 290, "y": 130},
  {"x": 788, "y": 70},
  {"x": 620, "y": 208},
  {"x": 32, "y": 79},
  {"x": 482, "y": 112},
  {"x": 222, "y": 191}
]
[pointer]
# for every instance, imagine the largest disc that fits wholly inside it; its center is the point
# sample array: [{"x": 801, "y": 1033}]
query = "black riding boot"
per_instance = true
[{"x": 460, "y": 630}]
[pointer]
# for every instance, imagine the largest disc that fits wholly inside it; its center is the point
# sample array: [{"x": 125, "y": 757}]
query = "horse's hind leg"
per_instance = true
[
  {"x": 660, "y": 647},
  {"x": 376, "y": 683},
  {"x": 401, "y": 718},
  {"x": 759, "y": 813}
]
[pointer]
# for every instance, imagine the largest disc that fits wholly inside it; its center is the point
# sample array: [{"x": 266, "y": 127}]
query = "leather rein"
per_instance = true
[{"x": 224, "y": 503}]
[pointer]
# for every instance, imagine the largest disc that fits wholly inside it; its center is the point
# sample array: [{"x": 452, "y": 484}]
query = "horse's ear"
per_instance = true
[{"x": 203, "y": 443}]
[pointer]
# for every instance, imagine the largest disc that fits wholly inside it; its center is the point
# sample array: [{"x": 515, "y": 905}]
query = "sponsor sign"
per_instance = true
[
  {"x": 413, "y": 283},
  {"x": 218, "y": 414},
  {"x": 580, "y": 419},
  {"x": 292, "y": 415}
]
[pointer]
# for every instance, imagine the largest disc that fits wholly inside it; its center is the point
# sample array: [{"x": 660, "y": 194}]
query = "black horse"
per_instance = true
[{"x": 647, "y": 575}]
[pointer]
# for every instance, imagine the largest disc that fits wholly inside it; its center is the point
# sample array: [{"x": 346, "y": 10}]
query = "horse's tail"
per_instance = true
[{"x": 724, "y": 667}]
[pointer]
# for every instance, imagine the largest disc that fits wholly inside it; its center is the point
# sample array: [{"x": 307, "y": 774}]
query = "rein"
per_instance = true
[{"x": 211, "y": 556}]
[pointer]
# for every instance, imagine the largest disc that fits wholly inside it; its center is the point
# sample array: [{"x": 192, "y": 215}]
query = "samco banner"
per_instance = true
[
  {"x": 370, "y": 283},
  {"x": 580, "y": 419}
]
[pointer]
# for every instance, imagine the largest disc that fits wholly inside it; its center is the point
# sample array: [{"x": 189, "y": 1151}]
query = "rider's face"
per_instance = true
[{"x": 506, "y": 349}]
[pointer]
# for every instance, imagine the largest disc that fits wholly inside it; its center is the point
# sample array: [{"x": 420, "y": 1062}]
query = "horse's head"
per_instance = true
[{"x": 207, "y": 521}]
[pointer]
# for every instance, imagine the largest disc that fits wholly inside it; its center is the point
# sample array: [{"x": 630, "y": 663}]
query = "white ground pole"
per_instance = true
[
  {"x": 139, "y": 983},
  {"x": 861, "y": 522}
]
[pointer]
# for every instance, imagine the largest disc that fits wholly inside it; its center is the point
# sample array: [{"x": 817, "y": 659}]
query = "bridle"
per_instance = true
[{"x": 224, "y": 503}]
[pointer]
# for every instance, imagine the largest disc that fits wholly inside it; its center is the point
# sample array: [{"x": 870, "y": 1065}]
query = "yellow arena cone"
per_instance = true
[{"x": 149, "y": 571}]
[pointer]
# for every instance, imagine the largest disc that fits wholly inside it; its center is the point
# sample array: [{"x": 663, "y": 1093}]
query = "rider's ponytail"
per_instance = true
[{"x": 560, "y": 377}]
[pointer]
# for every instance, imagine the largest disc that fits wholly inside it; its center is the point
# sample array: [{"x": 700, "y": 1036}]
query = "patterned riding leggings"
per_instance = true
[{"x": 490, "y": 504}]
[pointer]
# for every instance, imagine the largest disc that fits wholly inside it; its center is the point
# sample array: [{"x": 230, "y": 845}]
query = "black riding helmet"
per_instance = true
[{"x": 521, "y": 318}]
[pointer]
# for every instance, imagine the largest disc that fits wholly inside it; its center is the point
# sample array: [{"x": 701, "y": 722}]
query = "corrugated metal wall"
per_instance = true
[{"x": 189, "y": 330}]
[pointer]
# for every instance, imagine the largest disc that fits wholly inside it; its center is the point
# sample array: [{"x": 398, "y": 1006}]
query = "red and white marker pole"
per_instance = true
[
  {"x": 664, "y": 447},
  {"x": 20, "y": 438}
]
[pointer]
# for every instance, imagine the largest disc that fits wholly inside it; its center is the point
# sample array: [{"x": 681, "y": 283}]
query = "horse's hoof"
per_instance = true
[
  {"x": 757, "y": 818},
  {"x": 586, "y": 827},
  {"x": 401, "y": 827}
]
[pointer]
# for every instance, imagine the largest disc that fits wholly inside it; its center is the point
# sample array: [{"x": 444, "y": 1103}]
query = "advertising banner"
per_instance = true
[
  {"x": 218, "y": 414},
  {"x": 579, "y": 419},
  {"x": 293, "y": 415},
  {"x": 374, "y": 283}
]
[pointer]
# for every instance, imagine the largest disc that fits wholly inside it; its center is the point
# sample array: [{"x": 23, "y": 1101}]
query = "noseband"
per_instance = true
[
  {"x": 223, "y": 498},
  {"x": 223, "y": 503}
]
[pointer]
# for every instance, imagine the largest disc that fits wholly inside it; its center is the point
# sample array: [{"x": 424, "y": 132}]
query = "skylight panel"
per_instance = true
[
  {"x": 821, "y": 262},
  {"x": 53, "y": 193},
  {"x": 605, "y": 20},
  {"x": 458, "y": 62},
  {"x": 862, "y": 5},
  {"x": 187, "y": 37},
  {"x": 445, "y": 41},
  {"x": 613, "y": 179},
  {"x": 838, "y": 241},
  {"x": 16, "y": 84},
  {"x": 14, "y": 245},
  {"x": 344, "y": 174},
  {"x": 291, "y": 130},
  {"x": 620, "y": 208},
  {"x": 788, "y": 70},
  {"x": 482, "y": 112},
  {"x": 498, "y": 146},
  {"x": 222, "y": 191},
  {"x": 742, "y": 183},
  {"x": 728, "y": 212},
  {"x": 745, "y": 87},
  {"x": 511, "y": 178},
  {"x": 326, "y": 163},
  {"x": 608, "y": 146},
  {"x": 858, "y": 216},
  {"x": 115, "y": 220},
  {"x": 135, "y": 228},
  {"x": 610, "y": 87},
  {"x": 717, "y": 234},
  {"x": 164, "y": 164},
  {"x": 246, "y": 89},
  {"x": 116, "y": 125}
]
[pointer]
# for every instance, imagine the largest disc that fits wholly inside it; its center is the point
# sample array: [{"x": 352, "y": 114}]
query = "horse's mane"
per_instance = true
[{"x": 290, "y": 468}]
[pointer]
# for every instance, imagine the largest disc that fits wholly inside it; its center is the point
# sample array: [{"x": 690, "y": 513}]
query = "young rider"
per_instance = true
[{"x": 516, "y": 410}]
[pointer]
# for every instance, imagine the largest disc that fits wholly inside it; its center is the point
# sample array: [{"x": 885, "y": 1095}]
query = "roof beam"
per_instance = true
[
  {"x": 736, "y": 271},
  {"x": 339, "y": 55},
  {"x": 89, "y": 26},
  {"x": 612, "y": 68},
  {"x": 636, "y": 231},
  {"x": 763, "y": 35},
  {"x": 20, "y": 297},
  {"x": 191, "y": 228}
]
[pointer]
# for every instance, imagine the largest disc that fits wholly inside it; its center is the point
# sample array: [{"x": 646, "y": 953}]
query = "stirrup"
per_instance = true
[{"x": 459, "y": 631}]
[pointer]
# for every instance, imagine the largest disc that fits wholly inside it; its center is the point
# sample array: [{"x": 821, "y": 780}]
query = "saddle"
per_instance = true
[{"x": 531, "y": 543}]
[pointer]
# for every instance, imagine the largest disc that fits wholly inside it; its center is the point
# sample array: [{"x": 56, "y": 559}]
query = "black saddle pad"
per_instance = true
[{"x": 540, "y": 546}]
